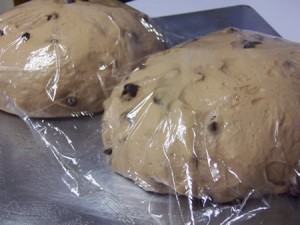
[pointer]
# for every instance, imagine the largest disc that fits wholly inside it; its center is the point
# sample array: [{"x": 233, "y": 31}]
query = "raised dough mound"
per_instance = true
[
  {"x": 215, "y": 118},
  {"x": 54, "y": 55}
]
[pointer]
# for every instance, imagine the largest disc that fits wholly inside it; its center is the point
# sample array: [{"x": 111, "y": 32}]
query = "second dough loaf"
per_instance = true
[{"x": 215, "y": 118}]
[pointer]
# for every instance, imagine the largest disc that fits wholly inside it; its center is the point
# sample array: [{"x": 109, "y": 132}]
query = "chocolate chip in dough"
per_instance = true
[
  {"x": 71, "y": 101},
  {"x": 52, "y": 16},
  {"x": 213, "y": 127},
  {"x": 108, "y": 151},
  {"x": 250, "y": 44},
  {"x": 1, "y": 33},
  {"x": 26, "y": 36},
  {"x": 157, "y": 100},
  {"x": 130, "y": 90}
]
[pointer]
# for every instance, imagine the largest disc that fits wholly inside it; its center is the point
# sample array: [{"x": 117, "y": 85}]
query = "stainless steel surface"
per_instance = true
[
  {"x": 55, "y": 172},
  {"x": 34, "y": 186}
]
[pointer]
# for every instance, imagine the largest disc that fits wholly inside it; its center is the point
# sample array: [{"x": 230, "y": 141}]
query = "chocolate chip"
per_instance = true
[
  {"x": 52, "y": 16},
  {"x": 71, "y": 101},
  {"x": 213, "y": 127},
  {"x": 157, "y": 100},
  {"x": 1, "y": 33},
  {"x": 130, "y": 90},
  {"x": 108, "y": 151},
  {"x": 26, "y": 36},
  {"x": 251, "y": 44},
  {"x": 70, "y": 1}
]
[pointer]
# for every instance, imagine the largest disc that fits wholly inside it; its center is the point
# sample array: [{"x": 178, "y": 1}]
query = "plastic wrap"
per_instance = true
[
  {"x": 57, "y": 55},
  {"x": 67, "y": 175},
  {"x": 179, "y": 124}
]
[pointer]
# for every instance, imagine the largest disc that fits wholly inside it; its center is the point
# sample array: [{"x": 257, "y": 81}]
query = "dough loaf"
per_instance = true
[
  {"x": 216, "y": 118},
  {"x": 55, "y": 56}
]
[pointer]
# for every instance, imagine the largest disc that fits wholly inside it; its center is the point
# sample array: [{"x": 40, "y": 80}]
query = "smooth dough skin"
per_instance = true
[
  {"x": 55, "y": 57},
  {"x": 216, "y": 118}
]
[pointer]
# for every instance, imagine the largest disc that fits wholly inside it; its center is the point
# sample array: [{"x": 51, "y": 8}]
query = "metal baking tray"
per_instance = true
[
  {"x": 188, "y": 26},
  {"x": 36, "y": 189}
]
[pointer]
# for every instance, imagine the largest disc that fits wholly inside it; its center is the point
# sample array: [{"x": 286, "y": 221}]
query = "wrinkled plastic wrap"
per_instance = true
[
  {"x": 65, "y": 174},
  {"x": 58, "y": 56}
]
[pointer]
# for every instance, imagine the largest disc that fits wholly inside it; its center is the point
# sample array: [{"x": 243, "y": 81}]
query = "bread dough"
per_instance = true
[
  {"x": 216, "y": 118},
  {"x": 55, "y": 56}
]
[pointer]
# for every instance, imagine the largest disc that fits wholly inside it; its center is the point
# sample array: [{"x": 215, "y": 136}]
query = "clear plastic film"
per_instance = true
[
  {"x": 74, "y": 170},
  {"x": 60, "y": 55},
  {"x": 215, "y": 120}
]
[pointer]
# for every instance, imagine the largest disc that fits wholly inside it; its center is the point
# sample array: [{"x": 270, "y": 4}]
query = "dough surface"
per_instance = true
[
  {"x": 215, "y": 118},
  {"x": 55, "y": 57}
]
